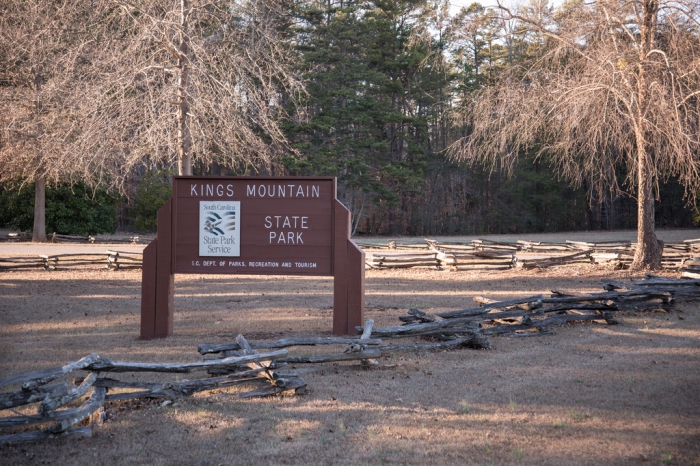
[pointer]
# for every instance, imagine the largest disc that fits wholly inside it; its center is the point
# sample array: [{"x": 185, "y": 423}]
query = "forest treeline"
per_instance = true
[
  {"x": 371, "y": 92},
  {"x": 384, "y": 81}
]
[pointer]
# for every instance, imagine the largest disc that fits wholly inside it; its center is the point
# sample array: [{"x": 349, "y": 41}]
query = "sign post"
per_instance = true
[{"x": 258, "y": 226}]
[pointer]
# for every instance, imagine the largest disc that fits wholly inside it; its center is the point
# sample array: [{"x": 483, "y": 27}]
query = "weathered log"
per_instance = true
[
  {"x": 366, "y": 333},
  {"x": 12, "y": 399},
  {"x": 118, "y": 366},
  {"x": 34, "y": 379},
  {"x": 93, "y": 403},
  {"x": 334, "y": 357},
  {"x": 109, "y": 383},
  {"x": 606, "y": 306},
  {"x": 667, "y": 282},
  {"x": 488, "y": 307},
  {"x": 563, "y": 293},
  {"x": 33, "y": 436},
  {"x": 52, "y": 403},
  {"x": 66, "y": 417},
  {"x": 416, "y": 315},
  {"x": 247, "y": 350},
  {"x": 419, "y": 329},
  {"x": 293, "y": 384},
  {"x": 175, "y": 390},
  {"x": 610, "y": 295},
  {"x": 528, "y": 306},
  {"x": 475, "y": 341},
  {"x": 285, "y": 343}
]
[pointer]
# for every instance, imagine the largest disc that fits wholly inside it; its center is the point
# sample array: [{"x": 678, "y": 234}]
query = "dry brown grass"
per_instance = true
[{"x": 589, "y": 394}]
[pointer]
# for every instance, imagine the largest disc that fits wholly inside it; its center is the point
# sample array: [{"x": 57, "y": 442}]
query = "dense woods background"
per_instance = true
[{"x": 372, "y": 92}]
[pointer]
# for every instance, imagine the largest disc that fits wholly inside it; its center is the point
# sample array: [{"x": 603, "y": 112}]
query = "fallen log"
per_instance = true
[
  {"x": 66, "y": 417},
  {"x": 106, "y": 365},
  {"x": 420, "y": 329},
  {"x": 34, "y": 379},
  {"x": 176, "y": 390},
  {"x": 93, "y": 403},
  {"x": 475, "y": 341},
  {"x": 52, "y": 403},
  {"x": 23, "y": 397},
  {"x": 488, "y": 307},
  {"x": 24, "y": 437},
  {"x": 293, "y": 384},
  {"x": 335, "y": 357},
  {"x": 285, "y": 343}
]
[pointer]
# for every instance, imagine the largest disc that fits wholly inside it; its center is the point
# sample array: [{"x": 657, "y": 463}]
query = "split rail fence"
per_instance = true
[
  {"x": 477, "y": 254},
  {"x": 63, "y": 406}
]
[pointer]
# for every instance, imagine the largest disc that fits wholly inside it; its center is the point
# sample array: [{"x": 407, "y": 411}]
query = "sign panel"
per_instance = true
[
  {"x": 237, "y": 225},
  {"x": 219, "y": 232}
]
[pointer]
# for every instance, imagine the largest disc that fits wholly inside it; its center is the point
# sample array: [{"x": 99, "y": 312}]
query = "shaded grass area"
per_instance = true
[{"x": 589, "y": 394}]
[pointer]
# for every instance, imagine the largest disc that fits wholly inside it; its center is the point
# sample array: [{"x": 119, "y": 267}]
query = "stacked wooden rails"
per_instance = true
[
  {"x": 479, "y": 254},
  {"x": 112, "y": 260},
  {"x": 392, "y": 245},
  {"x": 58, "y": 238},
  {"x": 533, "y": 315},
  {"x": 474, "y": 256},
  {"x": 124, "y": 260},
  {"x": 692, "y": 245},
  {"x": 374, "y": 260},
  {"x": 691, "y": 268}
]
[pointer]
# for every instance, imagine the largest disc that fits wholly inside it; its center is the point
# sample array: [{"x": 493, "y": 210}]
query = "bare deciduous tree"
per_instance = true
[
  {"x": 614, "y": 84},
  {"x": 41, "y": 45},
  {"x": 184, "y": 80}
]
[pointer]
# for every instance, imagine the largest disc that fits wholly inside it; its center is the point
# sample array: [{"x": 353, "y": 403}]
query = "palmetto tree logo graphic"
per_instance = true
[{"x": 213, "y": 223}]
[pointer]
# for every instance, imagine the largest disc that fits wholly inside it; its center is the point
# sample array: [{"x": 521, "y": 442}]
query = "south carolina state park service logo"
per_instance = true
[{"x": 219, "y": 228}]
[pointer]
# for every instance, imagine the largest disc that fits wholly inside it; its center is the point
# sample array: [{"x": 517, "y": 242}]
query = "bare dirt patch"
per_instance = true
[{"x": 589, "y": 394}]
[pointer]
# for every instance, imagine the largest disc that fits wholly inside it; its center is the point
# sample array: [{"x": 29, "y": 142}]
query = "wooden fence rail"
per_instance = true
[
  {"x": 112, "y": 260},
  {"x": 453, "y": 255}
]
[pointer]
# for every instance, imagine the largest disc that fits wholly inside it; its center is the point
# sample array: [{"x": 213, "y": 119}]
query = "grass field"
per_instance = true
[{"x": 589, "y": 394}]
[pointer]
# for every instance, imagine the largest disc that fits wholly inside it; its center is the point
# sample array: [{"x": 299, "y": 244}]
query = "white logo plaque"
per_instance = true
[{"x": 219, "y": 228}]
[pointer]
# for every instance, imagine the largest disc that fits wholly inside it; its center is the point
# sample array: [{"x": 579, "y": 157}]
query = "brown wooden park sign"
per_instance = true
[{"x": 253, "y": 226}]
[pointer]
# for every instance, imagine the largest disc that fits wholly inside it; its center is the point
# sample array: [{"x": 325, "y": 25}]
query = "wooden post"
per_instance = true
[
  {"x": 158, "y": 281},
  {"x": 348, "y": 275},
  {"x": 356, "y": 286},
  {"x": 148, "y": 291}
]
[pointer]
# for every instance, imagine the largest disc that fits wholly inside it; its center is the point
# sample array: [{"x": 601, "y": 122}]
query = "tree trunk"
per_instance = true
[
  {"x": 183, "y": 128},
  {"x": 649, "y": 250},
  {"x": 648, "y": 253},
  {"x": 39, "y": 230},
  {"x": 39, "y": 234}
]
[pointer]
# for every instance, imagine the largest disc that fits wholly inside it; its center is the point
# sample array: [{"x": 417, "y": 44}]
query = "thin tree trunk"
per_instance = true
[
  {"x": 39, "y": 234},
  {"x": 183, "y": 128},
  {"x": 39, "y": 230},
  {"x": 648, "y": 253}
]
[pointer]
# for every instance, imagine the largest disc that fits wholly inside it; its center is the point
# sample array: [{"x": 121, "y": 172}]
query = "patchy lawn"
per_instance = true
[{"x": 589, "y": 394}]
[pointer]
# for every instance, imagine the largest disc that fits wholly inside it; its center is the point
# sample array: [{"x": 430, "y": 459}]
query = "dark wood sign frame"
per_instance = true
[{"x": 326, "y": 224}]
